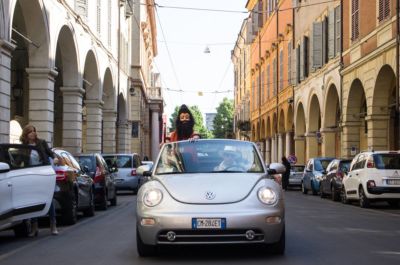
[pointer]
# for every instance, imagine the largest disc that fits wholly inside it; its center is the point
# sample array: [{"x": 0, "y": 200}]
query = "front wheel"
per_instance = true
[
  {"x": 22, "y": 229},
  {"x": 70, "y": 213},
  {"x": 343, "y": 196},
  {"x": 364, "y": 201},
  {"x": 303, "y": 188},
  {"x": 143, "y": 249}
]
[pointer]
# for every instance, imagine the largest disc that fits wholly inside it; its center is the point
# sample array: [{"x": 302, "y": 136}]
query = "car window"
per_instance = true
[
  {"x": 322, "y": 164},
  {"x": 361, "y": 161},
  {"x": 345, "y": 165},
  {"x": 297, "y": 168},
  {"x": 22, "y": 156},
  {"x": 310, "y": 165},
  {"x": 124, "y": 161},
  {"x": 74, "y": 163},
  {"x": 387, "y": 161},
  {"x": 66, "y": 159},
  {"x": 86, "y": 161}
]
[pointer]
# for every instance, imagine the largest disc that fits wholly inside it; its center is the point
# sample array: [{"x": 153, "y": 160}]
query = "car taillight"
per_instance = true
[
  {"x": 133, "y": 172},
  {"x": 98, "y": 176},
  {"x": 371, "y": 184},
  {"x": 370, "y": 164},
  {"x": 339, "y": 174},
  {"x": 61, "y": 175}
]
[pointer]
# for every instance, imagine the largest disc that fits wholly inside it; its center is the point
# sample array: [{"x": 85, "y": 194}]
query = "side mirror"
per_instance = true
[
  {"x": 4, "y": 167},
  {"x": 85, "y": 169},
  {"x": 144, "y": 170},
  {"x": 276, "y": 168},
  {"x": 345, "y": 170}
]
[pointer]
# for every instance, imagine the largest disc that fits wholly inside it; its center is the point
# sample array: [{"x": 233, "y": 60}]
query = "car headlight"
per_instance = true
[
  {"x": 152, "y": 197},
  {"x": 267, "y": 195}
]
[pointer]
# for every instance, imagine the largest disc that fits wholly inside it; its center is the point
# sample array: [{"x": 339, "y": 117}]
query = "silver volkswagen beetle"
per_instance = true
[{"x": 210, "y": 192}]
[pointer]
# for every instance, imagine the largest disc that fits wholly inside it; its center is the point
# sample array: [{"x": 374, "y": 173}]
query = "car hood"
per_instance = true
[{"x": 210, "y": 188}]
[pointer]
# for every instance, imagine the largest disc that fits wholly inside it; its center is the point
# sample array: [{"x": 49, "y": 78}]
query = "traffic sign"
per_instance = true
[{"x": 292, "y": 159}]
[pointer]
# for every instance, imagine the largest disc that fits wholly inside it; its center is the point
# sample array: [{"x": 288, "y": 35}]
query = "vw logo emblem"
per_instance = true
[{"x": 210, "y": 195}]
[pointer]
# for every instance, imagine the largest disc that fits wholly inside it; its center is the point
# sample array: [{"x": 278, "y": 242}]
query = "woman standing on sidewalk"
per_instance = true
[{"x": 29, "y": 137}]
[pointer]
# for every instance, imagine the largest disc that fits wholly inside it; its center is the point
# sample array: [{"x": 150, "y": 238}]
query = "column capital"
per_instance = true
[
  {"x": 310, "y": 134},
  {"x": 94, "y": 102},
  {"x": 7, "y": 47},
  {"x": 377, "y": 117},
  {"x": 109, "y": 112},
  {"x": 330, "y": 130},
  {"x": 42, "y": 72},
  {"x": 299, "y": 138},
  {"x": 72, "y": 90}
]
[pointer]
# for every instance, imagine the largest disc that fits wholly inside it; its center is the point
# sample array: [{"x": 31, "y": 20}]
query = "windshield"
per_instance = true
[
  {"x": 297, "y": 168},
  {"x": 387, "y": 161},
  {"x": 322, "y": 164},
  {"x": 119, "y": 161},
  {"x": 208, "y": 156}
]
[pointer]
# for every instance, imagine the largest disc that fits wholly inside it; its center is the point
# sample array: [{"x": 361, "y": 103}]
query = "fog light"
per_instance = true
[
  {"x": 273, "y": 220},
  {"x": 250, "y": 234},
  {"x": 147, "y": 221},
  {"x": 171, "y": 236},
  {"x": 371, "y": 184}
]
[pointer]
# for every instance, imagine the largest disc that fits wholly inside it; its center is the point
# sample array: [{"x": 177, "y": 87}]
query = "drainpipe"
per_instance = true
[
  {"x": 397, "y": 121},
  {"x": 277, "y": 84},
  {"x": 341, "y": 66}
]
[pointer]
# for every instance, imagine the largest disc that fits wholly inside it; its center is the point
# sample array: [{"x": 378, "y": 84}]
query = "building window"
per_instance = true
[
  {"x": 274, "y": 70},
  {"x": 268, "y": 81},
  {"x": 384, "y": 9},
  {"x": 289, "y": 72},
  {"x": 281, "y": 70},
  {"x": 135, "y": 129},
  {"x": 355, "y": 19}
]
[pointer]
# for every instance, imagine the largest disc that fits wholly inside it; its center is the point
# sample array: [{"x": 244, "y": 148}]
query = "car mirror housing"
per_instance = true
[
  {"x": 276, "y": 168},
  {"x": 144, "y": 170}
]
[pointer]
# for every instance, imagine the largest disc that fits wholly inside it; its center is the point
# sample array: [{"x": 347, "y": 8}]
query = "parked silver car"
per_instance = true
[
  {"x": 126, "y": 164},
  {"x": 210, "y": 192},
  {"x": 296, "y": 175}
]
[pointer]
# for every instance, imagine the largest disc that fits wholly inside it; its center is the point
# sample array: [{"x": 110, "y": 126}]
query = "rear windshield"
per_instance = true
[
  {"x": 119, "y": 161},
  {"x": 297, "y": 168},
  {"x": 321, "y": 165},
  {"x": 387, "y": 161},
  {"x": 345, "y": 165},
  {"x": 86, "y": 161}
]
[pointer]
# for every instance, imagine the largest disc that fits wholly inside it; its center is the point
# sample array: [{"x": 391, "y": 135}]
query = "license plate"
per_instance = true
[
  {"x": 393, "y": 181},
  {"x": 208, "y": 223}
]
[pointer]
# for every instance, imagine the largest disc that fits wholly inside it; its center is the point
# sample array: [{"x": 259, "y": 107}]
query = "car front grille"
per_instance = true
[{"x": 206, "y": 236}]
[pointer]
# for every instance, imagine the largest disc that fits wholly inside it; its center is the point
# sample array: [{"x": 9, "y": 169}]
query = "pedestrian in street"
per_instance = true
[
  {"x": 29, "y": 137},
  {"x": 285, "y": 176}
]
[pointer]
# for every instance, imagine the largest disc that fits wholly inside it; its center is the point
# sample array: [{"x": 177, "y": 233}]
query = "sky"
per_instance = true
[{"x": 182, "y": 37}]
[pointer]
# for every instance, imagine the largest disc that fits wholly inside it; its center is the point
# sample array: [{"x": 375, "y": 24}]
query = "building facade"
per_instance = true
[{"x": 65, "y": 67}]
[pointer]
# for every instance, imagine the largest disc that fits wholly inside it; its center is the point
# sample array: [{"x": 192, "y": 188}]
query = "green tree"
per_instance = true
[
  {"x": 223, "y": 121},
  {"x": 199, "y": 126}
]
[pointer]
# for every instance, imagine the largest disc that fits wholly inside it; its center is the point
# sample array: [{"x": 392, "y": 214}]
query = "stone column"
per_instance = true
[
  {"x": 94, "y": 117},
  {"x": 72, "y": 118},
  {"x": 378, "y": 127},
  {"x": 274, "y": 150},
  {"x": 300, "y": 149},
  {"x": 280, "y": 147},
  {"x": 155, "y": 133},
  {"x": 123, "y": 136},
  {"x": 350, "y": 138},
  {"x": 329, "y": 142},
  {"x": 268, "y": 151},
  {"x": 5, "y": 89},
  {"x": 312, "y": 144},
  {"x": 109, "y": 131},
  {"x": 41, "y": 101},
  {"x": 289, "y": 150}
]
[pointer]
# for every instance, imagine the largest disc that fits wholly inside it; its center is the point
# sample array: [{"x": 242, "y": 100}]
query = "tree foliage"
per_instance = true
[
  {"x": 199, "y": 126},
  {"x": 223, "y": 121}
]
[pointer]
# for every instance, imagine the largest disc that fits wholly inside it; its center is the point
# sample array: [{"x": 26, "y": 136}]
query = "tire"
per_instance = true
[
  {"x": 314, "y": 191},
  {"x": 22, "y": 229},
  {"x": 278, "y": 248},
  {"x": 343, "y": 196},
  {"x": 143, "y": 249},
  {"x": 393, "y": 203},
  {"x": 70, "y": 213},
  {"x": 113, "y": 201},
  {"x": 334, "y": 194},
  {"x": 303, "y": 188},
  {"x": 321, "y": 191},
  {"x": 90, "y": 211},
  {"x": 364, "y": 201}
]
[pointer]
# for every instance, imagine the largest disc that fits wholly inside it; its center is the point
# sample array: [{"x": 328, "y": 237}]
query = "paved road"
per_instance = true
[{"x": 319, "y": 231}]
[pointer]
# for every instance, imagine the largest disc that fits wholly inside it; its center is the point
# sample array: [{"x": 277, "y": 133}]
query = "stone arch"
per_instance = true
[
  {"x": 300, "y": 131},
  {"x": 109, "y": 113},
  {"x": 355, "y": 127},
  {"x": 32, "y": 80},
  {"x": 331, "y": 121},
  {"x": 281, "y": 121},
  {"x": 92, "y": 114},
  {"x": 313, "y": 138},
  {"x": 269, "y": 132},
  {"x": 289, "y": 119},
  {"x": 384, "y": 118},
  {"x": 67, "y": 93}
]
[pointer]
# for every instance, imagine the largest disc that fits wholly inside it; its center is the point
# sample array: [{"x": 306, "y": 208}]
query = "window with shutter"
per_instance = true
[
  {"x": 260, "y": 14},
  {"x": 302, "y": 61},
  {"x": 262, "y": 88},
  {"x": 306, "y": 54},
  {"x": 281, "y": 70},
  {"x": 338, "y": 30},
  {"x": 325, "y": 41},
  {"x": 298, "y": 65},
  {"x": 289, "y": 72},
  {"x": 81, "y": 8},
  {"x": 355, "y": 20},
  {"x": 384, "y": 10},
  {"x": 317, "y": 44},
  {"x": 331, "y": 34}
]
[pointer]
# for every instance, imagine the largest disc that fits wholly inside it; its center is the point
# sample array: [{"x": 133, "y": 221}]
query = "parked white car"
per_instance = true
[
  {"x": 373, "y": 176},
  {"x": 26, "y": 188}
]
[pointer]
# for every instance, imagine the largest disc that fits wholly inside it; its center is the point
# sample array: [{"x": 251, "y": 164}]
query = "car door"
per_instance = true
[
  {"x": 83, "y": 180},
  {"x": 354, "y": 177},
  {"x": 327, "y": 178},
  {"x": 32, "y": 185},
  {"x": 5, "y": 194},
  {"x": 308, "y": 174}
]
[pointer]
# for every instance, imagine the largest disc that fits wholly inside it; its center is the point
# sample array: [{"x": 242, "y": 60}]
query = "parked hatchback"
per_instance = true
[
  {"x": 313, "y": 173},
  {"x": 126, "y": 164},
  {"x": 74, "y": 188},
  {"x": 331, "y": 182},
  {"x": 373, "y": 176},
  {"x": 296, "y": 174},
  {"x": 103, "y": 178}
]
